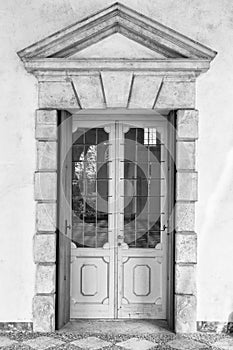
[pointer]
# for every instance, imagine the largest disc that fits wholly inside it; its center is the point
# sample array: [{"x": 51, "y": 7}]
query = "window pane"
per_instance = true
[
  {"x": 142, "y": 189},
  {"x": 90, "y": 188}
]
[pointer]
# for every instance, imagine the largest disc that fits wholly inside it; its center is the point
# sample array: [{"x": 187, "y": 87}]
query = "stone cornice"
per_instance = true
[{"x": 58, "y": 66}]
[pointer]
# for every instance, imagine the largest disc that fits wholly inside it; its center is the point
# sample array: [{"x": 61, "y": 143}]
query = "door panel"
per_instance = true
[
  {"x": 141, "y": 253},
  {"x": 64, "y": 220},
  {"x": 92, "y": 260},
  {"x": 118, "y": 258}
]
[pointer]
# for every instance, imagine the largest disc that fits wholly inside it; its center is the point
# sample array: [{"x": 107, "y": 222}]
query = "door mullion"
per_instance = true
[
  {"x": 120, "y": 208},
  {"x": 116, "y": 213}
]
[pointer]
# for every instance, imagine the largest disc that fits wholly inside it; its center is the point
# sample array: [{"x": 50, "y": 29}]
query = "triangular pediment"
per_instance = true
[
  {"x": 117, "y": 46},
  {"x": 144, "y": 36}
]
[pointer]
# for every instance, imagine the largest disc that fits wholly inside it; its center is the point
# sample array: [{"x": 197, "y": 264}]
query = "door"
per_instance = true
[
  {"x": 64, "y": 219},
  {"x": 118, "y": 256}
]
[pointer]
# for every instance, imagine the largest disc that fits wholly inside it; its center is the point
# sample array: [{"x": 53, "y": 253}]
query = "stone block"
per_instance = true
[
  {"x": 46, "y": 132},
  {"x": 185, "y": 155},
  {"x": 48, "y": 117},
  {"x": 186, "y": 186},
  {"x": 185, "y": 279},
  {"x": 44, "y": 313},
  {"x": 46, "y": 155},
  {"x": 185, "y": 216},
  {"x": 144, "y": 91},
  {"x": 45, "y": 279},
  {"x": 187, "y": 124},
  {"x": 45, "y": 248},
  {"x": 185, "y": 313},
  {"x": 89, "y": 91},
  {"x": 46, "y": 217},
  {"x": 117, "y": 88},
  {"x": 45, "y": 186},
  {"x": 177, "y": 94},
  {"x": 186, "y": 248},
  {"x": 46, "y": 125},
  {"x": 59, "y": 95}
]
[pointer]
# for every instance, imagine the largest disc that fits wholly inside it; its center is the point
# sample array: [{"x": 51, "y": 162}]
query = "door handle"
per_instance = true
[
  {"x": 120, "y": 236},
  {"x": 67, "y": 227}
]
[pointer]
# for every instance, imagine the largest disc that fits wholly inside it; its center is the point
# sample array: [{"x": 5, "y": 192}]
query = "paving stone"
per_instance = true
[
  {"x": 137, "y": 344},
  {"x": 4, "y": 341},
  {"x": 43, "y": 343},
  {"x": 91, "y": 343},
  {"x": 223, "y": 344},
  {"x": 186, "y": 344}
]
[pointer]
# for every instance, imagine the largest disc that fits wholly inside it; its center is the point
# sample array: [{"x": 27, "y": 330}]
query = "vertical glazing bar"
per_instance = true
[
  {"x": 120, "y": 147},
  {"x": 96, "y": 186},
  {"x": 116, "y": 216},
  {"x": 110, "y": 129},
  {"x": 136, "y": 184},
  {"x": 163, "y": 174},
  {"x": 148, "y": 188},
  {"x": 84, "y": 186}
]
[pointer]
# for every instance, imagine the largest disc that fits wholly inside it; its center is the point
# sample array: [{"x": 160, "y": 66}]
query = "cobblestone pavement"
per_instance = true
[{"x": 73, "y": 341}]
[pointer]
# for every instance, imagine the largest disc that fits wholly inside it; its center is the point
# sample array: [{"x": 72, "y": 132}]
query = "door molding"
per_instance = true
[{"x": 133, "y": 86}]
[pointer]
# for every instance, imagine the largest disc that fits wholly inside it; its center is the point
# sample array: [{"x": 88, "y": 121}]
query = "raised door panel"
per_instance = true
[
  {"x": 90, "y": 283},
  {"x": 141, "y": 278}
]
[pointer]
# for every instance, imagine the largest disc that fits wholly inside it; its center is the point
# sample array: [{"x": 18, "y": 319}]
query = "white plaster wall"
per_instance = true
[{"x": 23, "y": 22}]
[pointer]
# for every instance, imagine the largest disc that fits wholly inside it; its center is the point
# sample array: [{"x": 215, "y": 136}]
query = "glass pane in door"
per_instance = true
[
  {"x": 142, "y": 187},
  {"x": 90, "y": 169}
]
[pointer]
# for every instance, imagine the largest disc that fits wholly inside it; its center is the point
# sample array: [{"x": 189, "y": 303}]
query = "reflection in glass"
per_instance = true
[
  {"x": 90, "y": 188},
  {"x": 142, "y": 189}
]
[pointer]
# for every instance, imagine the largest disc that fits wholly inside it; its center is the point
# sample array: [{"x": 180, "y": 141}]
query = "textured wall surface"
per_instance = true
[{"x": 24, "y": 22}]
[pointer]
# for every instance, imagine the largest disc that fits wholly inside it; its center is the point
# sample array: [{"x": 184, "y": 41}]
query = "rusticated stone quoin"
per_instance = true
[
  {"x": 185, "y": 155},
  {"x": 185, "y": 313},
  {"x": 187, "y": 124},
  {"x": 186, "y": 239},
  {"x": 186, "y": 186},
  {"x": 46, "y": 217},
  {"x": 45, "y": 279},
  {"x": 185, "y": 216},
  {"x": 47, "y": 155},
  {"x": 185, "y": 276},
  {"x": 46, "y": 125},
  {"x": 44, "y": 313},
  {"x": 45, "y": 244},
  {"x": 45, "y": 186},
  {"x": 45, "y": 248},
  {"x": 186, "y": 248}
]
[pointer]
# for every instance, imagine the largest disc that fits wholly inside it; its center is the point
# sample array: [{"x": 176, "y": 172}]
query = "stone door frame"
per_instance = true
[
  {"x": 46, "y": 221},
  {"x": 164, "y": 83}
]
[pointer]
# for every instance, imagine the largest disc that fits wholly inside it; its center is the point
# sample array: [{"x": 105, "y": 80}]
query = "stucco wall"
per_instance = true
[{"x": 25, "y": 22}]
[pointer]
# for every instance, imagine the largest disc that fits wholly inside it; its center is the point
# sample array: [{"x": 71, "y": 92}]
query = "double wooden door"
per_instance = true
[{"x": 119, "y": 208}]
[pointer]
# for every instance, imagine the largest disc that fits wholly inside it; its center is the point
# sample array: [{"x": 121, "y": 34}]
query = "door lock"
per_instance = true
[{"x": 120, "y": 237}]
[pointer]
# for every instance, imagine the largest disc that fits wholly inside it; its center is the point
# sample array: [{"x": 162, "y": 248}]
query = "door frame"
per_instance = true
[{"x": 184, "y": 238}]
